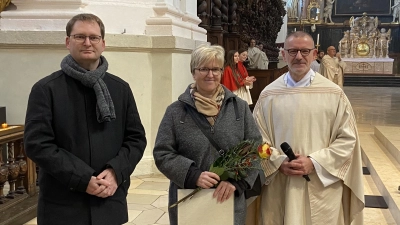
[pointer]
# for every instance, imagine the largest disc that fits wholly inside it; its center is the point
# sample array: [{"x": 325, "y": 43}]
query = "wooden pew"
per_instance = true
[{"x": 264, "y": 77}]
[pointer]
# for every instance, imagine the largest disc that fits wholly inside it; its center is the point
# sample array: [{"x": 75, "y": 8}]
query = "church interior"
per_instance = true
[{"x": 148, "y": 44}]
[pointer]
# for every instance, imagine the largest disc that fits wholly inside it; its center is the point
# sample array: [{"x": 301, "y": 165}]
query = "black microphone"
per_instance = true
[{"x": 289, "y": 152}]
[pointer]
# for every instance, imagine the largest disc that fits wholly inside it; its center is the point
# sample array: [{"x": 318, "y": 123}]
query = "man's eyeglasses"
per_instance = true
[
  {"x": 303, "y": 52},
  {"x": 205, "y": 71},
  {"x": 82, "y": 38}
]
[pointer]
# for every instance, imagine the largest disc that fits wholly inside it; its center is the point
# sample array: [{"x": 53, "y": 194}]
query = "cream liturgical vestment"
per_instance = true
[
  {"x": 316, "y": 121},
  {"x": 333, "y": 69},
  {"x": 258, "y": 59}
]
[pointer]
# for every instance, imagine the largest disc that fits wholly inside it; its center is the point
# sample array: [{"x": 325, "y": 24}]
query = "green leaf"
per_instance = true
[
  {"x": 218, "y": 170},
  {"x": 242, "y": 173},
  {"x": 224, "y": 176}
]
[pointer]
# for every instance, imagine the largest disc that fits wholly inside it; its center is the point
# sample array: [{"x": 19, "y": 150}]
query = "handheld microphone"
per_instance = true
[{"x": 289, "y": 152}]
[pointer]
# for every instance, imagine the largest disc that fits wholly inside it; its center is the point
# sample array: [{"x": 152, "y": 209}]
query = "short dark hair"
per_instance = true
[
  {"x": 85, "y": 17},
  {"x": 241, "y": 50},
  {"x": 321, "y": 51}
]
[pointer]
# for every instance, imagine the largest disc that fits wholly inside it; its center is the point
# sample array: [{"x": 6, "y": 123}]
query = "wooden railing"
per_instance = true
[
  {"x": 18, "y": 177},
  {"x": 264, "y": 77}
]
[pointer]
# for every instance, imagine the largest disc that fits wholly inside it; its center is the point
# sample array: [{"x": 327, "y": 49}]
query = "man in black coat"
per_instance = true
[{"x": 83, "y": 130}]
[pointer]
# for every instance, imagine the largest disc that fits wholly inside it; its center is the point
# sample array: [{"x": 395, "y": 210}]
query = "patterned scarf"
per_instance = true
[
  {"x": 208, "y": 106},
  {"x": 105, "y": 111}
]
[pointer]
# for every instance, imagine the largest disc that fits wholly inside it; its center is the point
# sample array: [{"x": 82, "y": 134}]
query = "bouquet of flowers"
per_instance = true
[{"x": 236, "y": 162}]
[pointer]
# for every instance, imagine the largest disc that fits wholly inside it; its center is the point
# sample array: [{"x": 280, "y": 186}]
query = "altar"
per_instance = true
[
  {"x": 365, "y": 48},
  {"x": 378, "y": 66}
]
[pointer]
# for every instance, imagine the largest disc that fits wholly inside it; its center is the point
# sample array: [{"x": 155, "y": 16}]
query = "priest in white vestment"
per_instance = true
[
  {"x": 257, "y": 58},
  {"x": 314, "y": 116},
  {"x": 332, "y": 66}
]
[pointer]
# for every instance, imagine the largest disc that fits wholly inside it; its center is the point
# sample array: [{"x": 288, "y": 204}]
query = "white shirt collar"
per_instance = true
[{"x": 304, "y": 82}]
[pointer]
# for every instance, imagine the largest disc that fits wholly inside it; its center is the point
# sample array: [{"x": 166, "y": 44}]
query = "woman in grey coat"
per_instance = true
[{"x": 184, "y": 154}]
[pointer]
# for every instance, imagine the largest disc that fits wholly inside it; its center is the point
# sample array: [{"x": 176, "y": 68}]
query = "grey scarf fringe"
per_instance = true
[{"x": 93, "y": 79}]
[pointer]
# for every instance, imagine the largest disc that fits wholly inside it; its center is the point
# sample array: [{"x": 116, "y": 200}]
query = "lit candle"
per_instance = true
[
  {"x": 317, "y": 39},
  {"x": 4, "y": 125}
]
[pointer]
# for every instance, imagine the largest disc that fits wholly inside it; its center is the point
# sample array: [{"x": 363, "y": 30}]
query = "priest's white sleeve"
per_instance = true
[{"x": 325, "y": 177}]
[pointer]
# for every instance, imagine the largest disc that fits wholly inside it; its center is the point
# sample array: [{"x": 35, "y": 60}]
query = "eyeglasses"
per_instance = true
[
  {"x": 82, "y": 38},
  {"x": 205, "y": 71},
  {"x": 303, "y": 52}
]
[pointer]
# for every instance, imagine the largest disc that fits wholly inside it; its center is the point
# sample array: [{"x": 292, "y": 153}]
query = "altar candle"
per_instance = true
[
  {"x": 317, "y": 39},
  {"x": 295, "y": 29}
]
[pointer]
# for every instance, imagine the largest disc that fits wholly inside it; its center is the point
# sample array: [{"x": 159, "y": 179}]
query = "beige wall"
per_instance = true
[{"x": 157, "y": 76}]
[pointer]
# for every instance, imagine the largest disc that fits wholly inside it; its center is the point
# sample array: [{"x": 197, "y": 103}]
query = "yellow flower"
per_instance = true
[{"x": 264, "y": 151}]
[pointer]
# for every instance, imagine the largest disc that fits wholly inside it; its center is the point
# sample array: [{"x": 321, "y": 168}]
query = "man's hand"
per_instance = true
[
  {"x": 338, "y": 56},
  {"x": 109, "y": 176},
  {"x": 207, "y": 180},
  {"x": 96, "y": 186},
  {"x": 300, "y": 166},
  {"x": 224, "y": 191}
]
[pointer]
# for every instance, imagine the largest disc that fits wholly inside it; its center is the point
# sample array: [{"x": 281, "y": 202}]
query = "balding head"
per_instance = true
[
  {"x": 298, "y": 34},
  {"x": 331, "y": 51}
]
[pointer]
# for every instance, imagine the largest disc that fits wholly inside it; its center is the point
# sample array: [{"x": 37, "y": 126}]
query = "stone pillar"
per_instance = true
[
  {"x": 40, "y": 15},
  {"x": 170, "y": 19}
]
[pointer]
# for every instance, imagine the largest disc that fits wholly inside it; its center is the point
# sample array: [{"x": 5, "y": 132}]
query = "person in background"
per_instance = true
[
  {"x": 83, "y": 130},
  {"x": 184, "y": 154},
  {"x": 332, "y": 66},
  {"x": 257, "y": 58},
  {"x": 320, "y": 56},
  {"x": 314, "y": 117},
  {"x": 243, "y": 60},
  {"x": 315, "y": 65},
  {"x": 260, "y": 46},
  {"x": 236, "y": 78}
]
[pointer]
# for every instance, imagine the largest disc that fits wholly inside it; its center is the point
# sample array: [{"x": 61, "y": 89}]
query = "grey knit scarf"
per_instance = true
[{"x": 93, "y": 79}]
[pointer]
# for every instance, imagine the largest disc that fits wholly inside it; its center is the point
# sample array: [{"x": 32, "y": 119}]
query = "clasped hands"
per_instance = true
[
  {"x": 104, "y": 185},
  {"x": 224, "y": 189},
  {"x": 249, "y": 80},
  {"x": 300, "y": 166}
]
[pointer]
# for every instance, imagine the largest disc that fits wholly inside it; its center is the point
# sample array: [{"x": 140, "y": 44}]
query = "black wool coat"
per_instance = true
[{"x": 63, "y": 137}]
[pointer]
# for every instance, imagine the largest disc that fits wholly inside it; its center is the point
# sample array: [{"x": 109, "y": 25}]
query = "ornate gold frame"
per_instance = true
[{"x": 313, "y": 4}]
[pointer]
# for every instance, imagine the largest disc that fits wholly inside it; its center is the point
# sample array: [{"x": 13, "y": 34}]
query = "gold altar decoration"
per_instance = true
[
  {"x": 363, "y": 49},
  {"x": 4, "y": 4},
  {"x": 364, "y": 39},
  {"x": 313, "y": 12}
]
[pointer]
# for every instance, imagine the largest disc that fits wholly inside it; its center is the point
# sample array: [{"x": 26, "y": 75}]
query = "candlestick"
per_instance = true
[
  {"x": 317, "y": 39},
  {"x": 387, "y": 49}
]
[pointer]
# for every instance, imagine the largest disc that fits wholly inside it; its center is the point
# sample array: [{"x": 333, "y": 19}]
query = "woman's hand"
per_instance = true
[
  {"x": 252, "y": 78},
  {"x": 207, "y": 180},
  {"x": 248, "y": 81},
  {"x": 224, "y": 191}
]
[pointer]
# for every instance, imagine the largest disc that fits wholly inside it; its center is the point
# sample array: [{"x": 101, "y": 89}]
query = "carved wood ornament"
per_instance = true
[
  {"x": 4, "y": 4},
  {"x": 261, "y": 20}
]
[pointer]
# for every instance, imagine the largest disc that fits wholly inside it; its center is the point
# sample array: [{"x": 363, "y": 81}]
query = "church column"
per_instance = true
[
  {"x": 173, "y": 19},
  {"x": 44, "y": 15},
  {"x": 189, "y": 7}
]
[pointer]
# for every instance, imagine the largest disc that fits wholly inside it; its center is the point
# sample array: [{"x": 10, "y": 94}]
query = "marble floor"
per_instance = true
[{"x": 148, "y": 197}]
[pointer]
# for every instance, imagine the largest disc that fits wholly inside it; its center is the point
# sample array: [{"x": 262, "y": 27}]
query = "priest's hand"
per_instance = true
[
  {"x": 207, "y": 180},
  {"x": 306, "y": 165},
  {"x": 300, "y": 166},
  {"x": 339, "y": 56},
  {"x": 224, "y": 191}
]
